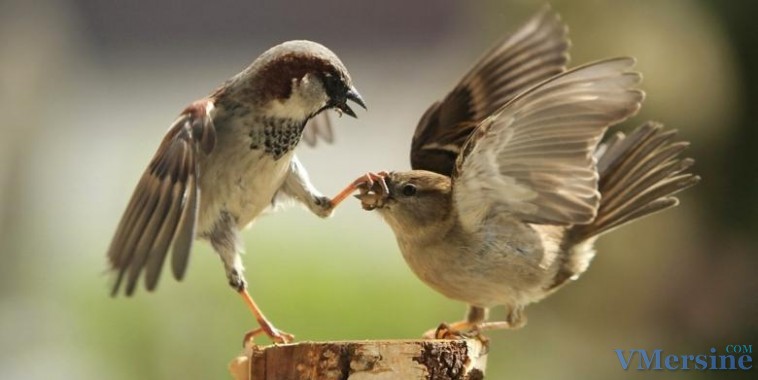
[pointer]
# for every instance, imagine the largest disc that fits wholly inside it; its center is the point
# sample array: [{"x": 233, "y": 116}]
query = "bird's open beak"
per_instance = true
[{"x": 351, "y": 94}]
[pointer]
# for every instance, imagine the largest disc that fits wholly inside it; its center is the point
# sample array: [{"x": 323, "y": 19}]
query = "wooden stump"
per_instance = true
[{"x": 359, "y": 360}]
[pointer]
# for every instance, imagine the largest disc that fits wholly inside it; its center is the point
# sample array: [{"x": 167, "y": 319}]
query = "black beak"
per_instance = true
[{"x": 351, "y": 94}]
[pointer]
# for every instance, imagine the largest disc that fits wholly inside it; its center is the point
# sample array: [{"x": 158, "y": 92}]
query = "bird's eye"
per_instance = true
[
  {"x": 331, "y": 83},
  {"x": 409, "y": 190}
]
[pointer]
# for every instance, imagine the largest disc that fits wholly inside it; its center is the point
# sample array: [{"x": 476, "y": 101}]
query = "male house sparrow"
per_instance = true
[
  {"x": 508, "y": 196},
  {"x": 226, "y": 159}
]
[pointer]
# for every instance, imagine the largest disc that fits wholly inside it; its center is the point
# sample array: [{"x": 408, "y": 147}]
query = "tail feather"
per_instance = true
[{"x": 639, "y": 174}]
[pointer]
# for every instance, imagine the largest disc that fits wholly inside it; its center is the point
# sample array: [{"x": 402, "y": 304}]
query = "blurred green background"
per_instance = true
[{"x": 87, "y": 89}]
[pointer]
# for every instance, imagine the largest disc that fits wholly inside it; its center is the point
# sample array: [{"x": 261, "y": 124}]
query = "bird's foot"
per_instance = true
[
  {"x": 277, "y": 336},
  {"x": 455, "y": 330},
  {"x": 466, "y": 329},
  {"x": 458, "y": 330},
  {"x": 364, "y": 183},
  {"x": 373, "y": 190}
]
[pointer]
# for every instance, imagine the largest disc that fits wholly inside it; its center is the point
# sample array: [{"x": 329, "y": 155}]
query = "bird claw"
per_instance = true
[
  {"x": 277, "y": 336},
  {"x": 444, "y": 331},
  {"x": 373, "y": 189},
  {"x": 458, "y": 330},
  {"x": 364, "y": 184},
  {"x": 369, "y": 182}
]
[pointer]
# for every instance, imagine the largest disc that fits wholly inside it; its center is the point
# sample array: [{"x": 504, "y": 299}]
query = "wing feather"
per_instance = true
[
  {"x": 534, "y": 157},
  {"x": 535, "y": 52},
  {"x": 163, "y": 208},
  {"x": 186, "y": 232}
]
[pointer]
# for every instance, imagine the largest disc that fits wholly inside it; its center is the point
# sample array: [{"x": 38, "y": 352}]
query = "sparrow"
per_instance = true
[
  {"x": 510, "y": 186},
  {"x": 228, "y": 158}
]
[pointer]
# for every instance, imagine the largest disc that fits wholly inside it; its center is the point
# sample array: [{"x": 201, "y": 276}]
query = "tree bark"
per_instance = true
[{"x": 360, "y": 360}]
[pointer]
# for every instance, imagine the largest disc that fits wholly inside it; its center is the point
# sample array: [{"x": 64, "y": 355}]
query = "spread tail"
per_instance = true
[{"x": 639, "y": 174}]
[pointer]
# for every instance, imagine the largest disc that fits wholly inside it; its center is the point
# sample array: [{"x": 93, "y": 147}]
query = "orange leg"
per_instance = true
[
  {"x": 452, "y": 331},
  {"x": 272, "y": 332},
  {"x": 366, "y": 180},
  {"x": 475, "y": 323}
]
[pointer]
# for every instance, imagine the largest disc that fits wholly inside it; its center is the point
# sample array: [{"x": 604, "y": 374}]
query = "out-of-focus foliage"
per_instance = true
[{"x": 87, "y": 89}]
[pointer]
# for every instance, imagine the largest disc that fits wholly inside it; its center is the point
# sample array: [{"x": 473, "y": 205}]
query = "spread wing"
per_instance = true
[
  {"x": 163, "y": 209},
  {"x": 534, "y": 158},
  {"x": 535, "y": 52},
  {"x": 318, "y": 128}
]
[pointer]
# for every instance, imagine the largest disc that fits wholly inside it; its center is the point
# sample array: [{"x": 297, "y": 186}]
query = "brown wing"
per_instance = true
[
  {"x": 163, "y": 208},
  {"x": 534, "y": 53},
  {"x": 318, "y": 128},
  {"x": 534, "y": 158}
]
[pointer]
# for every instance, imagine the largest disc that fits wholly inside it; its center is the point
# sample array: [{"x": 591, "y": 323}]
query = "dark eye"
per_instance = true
[
  {"x": 332, "y": 85},
  {"x": 409, "y": 190},
  {"x": 330, "y": 80}
]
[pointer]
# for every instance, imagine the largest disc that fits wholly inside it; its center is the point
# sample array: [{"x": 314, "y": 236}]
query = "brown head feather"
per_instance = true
[{"x": 270, "y": 77}]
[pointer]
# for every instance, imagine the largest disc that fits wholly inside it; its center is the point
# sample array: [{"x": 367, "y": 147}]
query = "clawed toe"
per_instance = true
[
  {"x": 277, "y": 336},
  {"x": 445, "y": 331},
  {"x": 457, "y": 330}
]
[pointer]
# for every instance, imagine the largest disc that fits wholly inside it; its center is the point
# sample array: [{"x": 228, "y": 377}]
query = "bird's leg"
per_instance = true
[
  {"x": 475, "y": 324},
  {"x": 364, "y": 183},
  {"x": 225, "y": 240},
  {"x": 515, "y": 320},
  {"x": 298, "y": 186},
  {"x": 276, "y": 335},
  {"x": 238, "y": 283},
  {"x": 470, "y": 326}
]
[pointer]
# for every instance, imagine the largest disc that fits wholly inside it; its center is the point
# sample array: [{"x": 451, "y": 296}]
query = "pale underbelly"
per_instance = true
[
  {"x": 494, "y": 278},
  {"x": 240, "y": 186}
]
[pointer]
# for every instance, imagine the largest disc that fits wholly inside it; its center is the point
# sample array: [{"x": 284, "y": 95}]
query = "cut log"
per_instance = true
[{"x": 360, "y": 360}]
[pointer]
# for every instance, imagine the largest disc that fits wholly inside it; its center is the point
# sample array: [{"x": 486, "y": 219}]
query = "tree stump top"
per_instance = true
[{"x": 360, "y": 360}]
